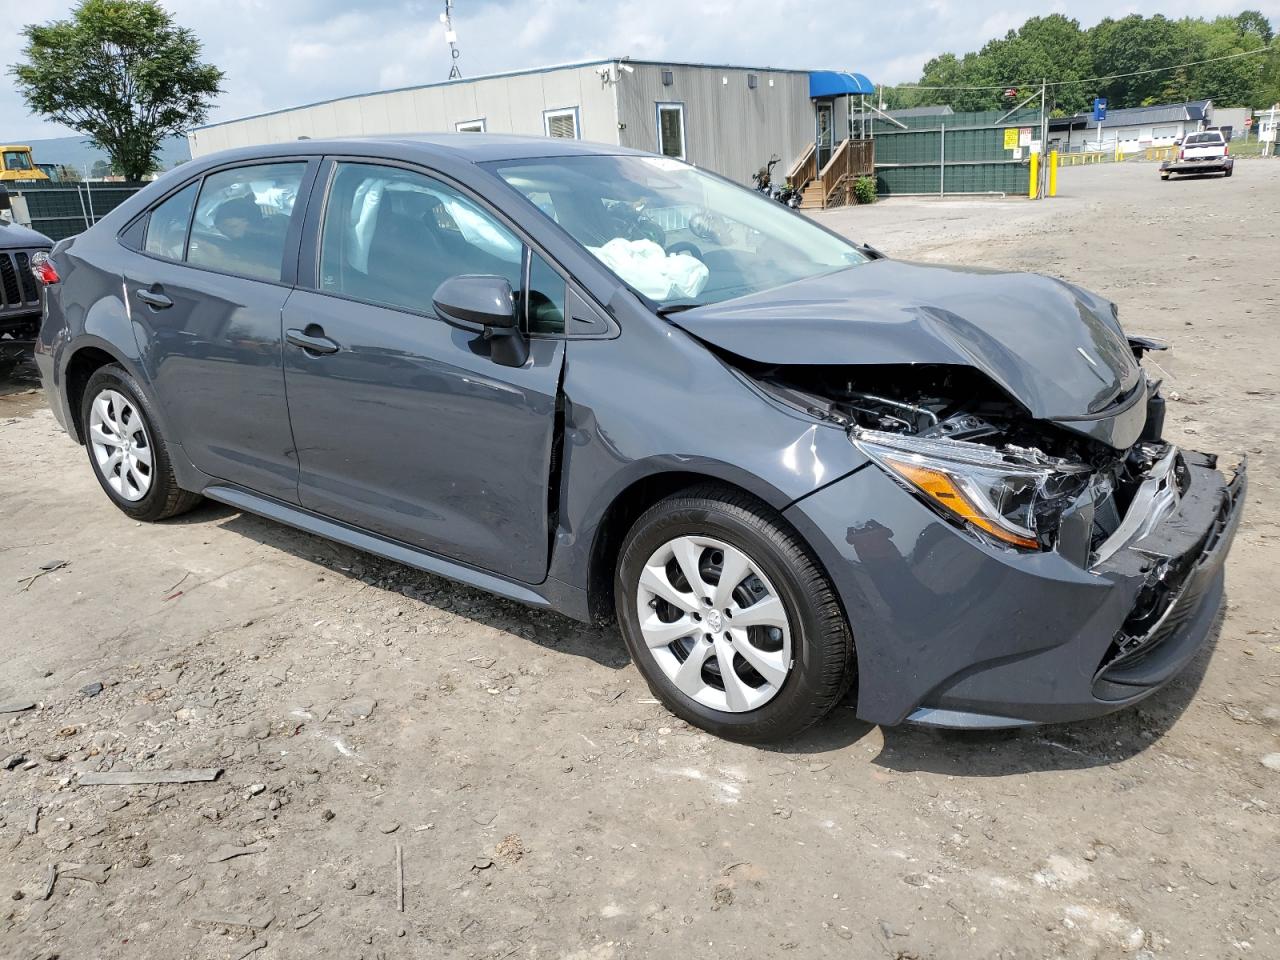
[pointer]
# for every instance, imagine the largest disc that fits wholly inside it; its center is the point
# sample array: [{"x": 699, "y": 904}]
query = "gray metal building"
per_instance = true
[{"x": 726, "y": 118}]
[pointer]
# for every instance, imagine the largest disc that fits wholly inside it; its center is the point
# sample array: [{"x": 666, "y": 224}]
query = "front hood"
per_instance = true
[
  {"x": 1053, "y": 347},
  {"x": 14, "y": 236}
]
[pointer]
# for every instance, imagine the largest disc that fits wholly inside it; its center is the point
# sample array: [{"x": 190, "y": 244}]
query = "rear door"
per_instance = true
[
  {"x": 213, "y": 267},
  {"x": 404, "y": 424}
]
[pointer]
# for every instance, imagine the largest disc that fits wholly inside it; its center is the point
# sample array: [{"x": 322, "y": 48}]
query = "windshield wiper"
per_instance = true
[{"x": 671, "y": 308}]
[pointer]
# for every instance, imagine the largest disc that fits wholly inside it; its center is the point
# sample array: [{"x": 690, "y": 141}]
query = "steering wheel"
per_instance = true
[{"x": 684, "y": 246}]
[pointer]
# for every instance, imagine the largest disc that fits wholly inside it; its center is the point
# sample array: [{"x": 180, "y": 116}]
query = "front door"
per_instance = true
[
  {"x": 407, "y": 427},
  {"x": 823, "y": 138},
  {"x": 206, "y": 286}
]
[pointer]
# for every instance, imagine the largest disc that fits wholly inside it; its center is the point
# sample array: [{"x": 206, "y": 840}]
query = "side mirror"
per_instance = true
[
  {"x": 5, "y": 202},
  {"x": 485, "y": 302}
]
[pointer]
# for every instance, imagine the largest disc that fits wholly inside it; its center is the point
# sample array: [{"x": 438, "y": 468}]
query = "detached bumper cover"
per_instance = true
[{"x": 953, "y": 632}]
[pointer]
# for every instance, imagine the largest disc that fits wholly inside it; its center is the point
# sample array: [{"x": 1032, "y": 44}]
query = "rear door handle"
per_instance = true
[
  {"x": 156, "y": 301},
  {"x": 315, "y": 342}
]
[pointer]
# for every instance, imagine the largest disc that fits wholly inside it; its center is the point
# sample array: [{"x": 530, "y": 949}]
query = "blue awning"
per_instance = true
[{"x": 830, "y": 83}]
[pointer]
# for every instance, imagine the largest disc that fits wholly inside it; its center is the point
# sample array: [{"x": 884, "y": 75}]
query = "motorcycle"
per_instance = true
[
  {"x": 788, "y": 194},
  {"x": 764, "y": 176}
]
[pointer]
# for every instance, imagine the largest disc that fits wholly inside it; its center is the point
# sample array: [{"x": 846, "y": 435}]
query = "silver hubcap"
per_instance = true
[
  {"x": 714, "y": 624},
  {"x": 120, "y": 444}
]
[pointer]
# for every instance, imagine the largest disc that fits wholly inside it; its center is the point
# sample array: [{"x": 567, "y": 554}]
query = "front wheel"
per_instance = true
[
  {"x": 729, "y": 618},
  {"x": 128, "y": 455}
]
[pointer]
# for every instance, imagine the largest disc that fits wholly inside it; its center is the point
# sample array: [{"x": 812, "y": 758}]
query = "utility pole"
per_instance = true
[
  {"x": 451, "y": 37},
  {"x": 1041, "y": 190}
]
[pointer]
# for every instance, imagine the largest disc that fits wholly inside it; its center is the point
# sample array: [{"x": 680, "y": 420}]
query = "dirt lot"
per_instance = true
[{"x": 545, "y": 806}]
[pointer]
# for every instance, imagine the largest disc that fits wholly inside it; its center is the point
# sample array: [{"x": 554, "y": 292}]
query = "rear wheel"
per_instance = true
[
  {"x": 128, "y": 455},
  {"x": 729, "y": 618},
  {"x": 1227, "y": 172}
]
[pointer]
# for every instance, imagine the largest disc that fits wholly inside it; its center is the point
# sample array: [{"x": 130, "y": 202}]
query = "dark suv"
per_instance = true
[
  {"x": 19, "y": 291},
  {"x": 606, "y": 382}
]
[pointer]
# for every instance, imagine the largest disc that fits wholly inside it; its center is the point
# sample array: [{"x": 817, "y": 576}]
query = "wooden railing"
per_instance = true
[
  {"x": 852, "y": 159},
  {"x": 804, "y": 169}
]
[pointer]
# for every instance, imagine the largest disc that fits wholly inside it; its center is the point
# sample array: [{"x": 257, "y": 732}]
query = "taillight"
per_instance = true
[
  {"x": 1226, "y": 149},
  {"x": 1182, "y": 154},
  {"x": 44, "y": 269}
]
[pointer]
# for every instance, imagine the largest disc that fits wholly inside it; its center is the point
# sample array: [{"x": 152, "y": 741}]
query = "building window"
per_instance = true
[
  {"x": 470, "y": 126},
  {"x": 671, "y": 130},
  {"x": 752, "y": 81},
  {"x": 561, "y": 124},
  {"x": 668, "y": 78}
]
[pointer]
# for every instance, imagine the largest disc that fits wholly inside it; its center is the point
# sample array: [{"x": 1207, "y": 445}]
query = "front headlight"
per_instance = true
[{"x": 1013, "y": 494}]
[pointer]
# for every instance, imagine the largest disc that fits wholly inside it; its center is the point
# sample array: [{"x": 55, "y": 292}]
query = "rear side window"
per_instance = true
[
  {"x": 167, "y": 225},
  {"x": 1204, "y": 140},
  {"x": 242, "y": 219}
]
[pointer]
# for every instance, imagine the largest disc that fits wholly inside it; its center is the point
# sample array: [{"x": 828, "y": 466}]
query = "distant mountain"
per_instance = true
[{"x": 75, "y": 152}]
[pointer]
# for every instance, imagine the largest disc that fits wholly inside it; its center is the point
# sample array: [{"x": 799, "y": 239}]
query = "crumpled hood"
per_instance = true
[{"x": 1055, "y": 348}]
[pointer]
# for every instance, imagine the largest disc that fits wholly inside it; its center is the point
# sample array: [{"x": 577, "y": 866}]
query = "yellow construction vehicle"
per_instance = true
[{"x": 17, "y": 164}]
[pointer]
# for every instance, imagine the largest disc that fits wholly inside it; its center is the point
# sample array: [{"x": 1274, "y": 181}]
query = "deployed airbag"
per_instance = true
[{"x": 651, "y": 270}]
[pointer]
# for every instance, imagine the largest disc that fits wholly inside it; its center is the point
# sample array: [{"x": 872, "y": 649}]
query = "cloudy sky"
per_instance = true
[{"x": 279, "y": 53}]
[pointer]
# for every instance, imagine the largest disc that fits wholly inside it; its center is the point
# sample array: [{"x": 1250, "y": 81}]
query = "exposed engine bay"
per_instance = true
[{"x": 955, "y": 439}]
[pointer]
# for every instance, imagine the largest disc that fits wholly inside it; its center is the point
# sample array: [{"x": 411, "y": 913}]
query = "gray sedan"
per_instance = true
[{"x": 611, "y": 384}]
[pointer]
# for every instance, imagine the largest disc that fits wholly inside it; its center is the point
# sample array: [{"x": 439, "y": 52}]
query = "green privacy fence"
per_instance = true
[
  {"x": 956, "y": 153},
  {"x": 61, "y": 210}
]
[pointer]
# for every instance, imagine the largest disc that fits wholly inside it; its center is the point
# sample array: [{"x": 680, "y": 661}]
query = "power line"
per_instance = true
[{"x": 1113, "y": 76}]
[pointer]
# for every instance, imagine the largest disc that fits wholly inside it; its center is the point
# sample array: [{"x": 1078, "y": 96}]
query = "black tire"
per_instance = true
[
  {"x": 1227, "y": 172},
  {"x": 1164, "y": 176},
  {"x": 164, "y": 498},
  {"x": 822, "y": 667}
]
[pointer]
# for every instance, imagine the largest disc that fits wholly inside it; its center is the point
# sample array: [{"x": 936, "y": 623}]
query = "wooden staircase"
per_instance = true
[
  {"x": 813, "y": 196},
  {"x": 832, "y": 186}
]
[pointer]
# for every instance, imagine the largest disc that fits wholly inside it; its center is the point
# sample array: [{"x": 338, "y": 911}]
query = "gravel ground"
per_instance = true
[{"x": 542, "y": 803}]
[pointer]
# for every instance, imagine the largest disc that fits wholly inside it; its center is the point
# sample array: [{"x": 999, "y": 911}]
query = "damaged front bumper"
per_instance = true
[{"x": 953, "y": 632}]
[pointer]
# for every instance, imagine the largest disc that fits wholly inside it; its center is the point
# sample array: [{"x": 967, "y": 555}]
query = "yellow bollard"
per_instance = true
[
  {"x": 1035, "y": 170},
  {"x": 1053, "y": 173}
]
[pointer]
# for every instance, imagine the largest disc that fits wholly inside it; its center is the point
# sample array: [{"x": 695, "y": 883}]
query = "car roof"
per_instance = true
[{"x": 466, "y": 147}]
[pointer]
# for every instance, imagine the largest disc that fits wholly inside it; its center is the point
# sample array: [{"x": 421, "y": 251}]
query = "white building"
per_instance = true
[
  {"x": 1131, "y": 129},
  {"x": 727, "y": 119}
]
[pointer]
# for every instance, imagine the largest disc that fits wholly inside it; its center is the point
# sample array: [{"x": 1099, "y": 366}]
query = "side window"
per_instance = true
[
  {"x": 167, "y": 225},
  {"x": 242, "y": 219},
  {"x": 546, "y": 297},
  {"x": 392, "y": 236}
]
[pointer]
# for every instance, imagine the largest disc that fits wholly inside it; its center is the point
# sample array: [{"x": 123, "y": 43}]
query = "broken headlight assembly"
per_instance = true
[{"x": 1014, "y": 495}]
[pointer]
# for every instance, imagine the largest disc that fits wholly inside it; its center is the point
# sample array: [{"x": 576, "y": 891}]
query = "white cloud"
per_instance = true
[{"x": 280, "y": 53}]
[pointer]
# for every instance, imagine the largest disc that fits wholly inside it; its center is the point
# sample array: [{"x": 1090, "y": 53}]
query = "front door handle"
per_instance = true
[
  {"x": 312, "y": 340},
  {"x": 154, "y": 300}
]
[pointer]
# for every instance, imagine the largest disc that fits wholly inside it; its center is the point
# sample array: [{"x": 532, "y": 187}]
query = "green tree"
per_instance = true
[
  {"x": 100, "y": 169},
  {"x": 1228, "y": 83},
  {"x": 1144, "y": 57},
  {"x": 120, "y": 72}
]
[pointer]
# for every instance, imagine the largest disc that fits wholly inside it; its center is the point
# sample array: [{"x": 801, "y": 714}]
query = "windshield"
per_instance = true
[
  {"x": 677, "y": 235},
  {"x": 17, "y": 160}
]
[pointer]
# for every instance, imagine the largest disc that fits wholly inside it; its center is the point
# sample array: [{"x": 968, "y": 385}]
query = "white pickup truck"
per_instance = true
[{"x": 1200, "y": 153}]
